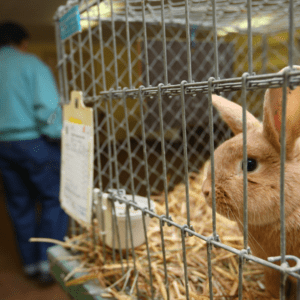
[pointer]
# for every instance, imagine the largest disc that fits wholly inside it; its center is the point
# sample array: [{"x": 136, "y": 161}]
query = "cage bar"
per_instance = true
[{"x": 245, "y": 161}]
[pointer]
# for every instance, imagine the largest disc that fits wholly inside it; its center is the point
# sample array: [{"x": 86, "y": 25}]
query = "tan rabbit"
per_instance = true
[{"x": 263, "y": 149}]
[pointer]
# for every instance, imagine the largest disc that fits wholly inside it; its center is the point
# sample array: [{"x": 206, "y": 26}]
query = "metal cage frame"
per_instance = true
[{"x": 103, "y": 96}]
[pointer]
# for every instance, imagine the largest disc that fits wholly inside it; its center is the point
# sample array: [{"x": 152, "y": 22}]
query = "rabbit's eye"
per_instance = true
[{"x": 251, "y": 164}]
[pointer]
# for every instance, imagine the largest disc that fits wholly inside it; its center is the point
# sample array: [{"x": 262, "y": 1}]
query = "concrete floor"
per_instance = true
[{"x": 13, "y": 284}]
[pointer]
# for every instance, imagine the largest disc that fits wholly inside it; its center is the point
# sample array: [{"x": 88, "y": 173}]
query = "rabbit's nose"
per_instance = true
[{"x": 206, "y": 189}]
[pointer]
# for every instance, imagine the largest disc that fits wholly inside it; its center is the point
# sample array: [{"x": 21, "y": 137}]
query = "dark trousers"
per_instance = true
[{"x": 31, "y": 172}]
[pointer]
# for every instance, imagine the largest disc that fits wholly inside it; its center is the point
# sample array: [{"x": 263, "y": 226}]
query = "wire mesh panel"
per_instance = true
[{"x": 150, "y": 70}]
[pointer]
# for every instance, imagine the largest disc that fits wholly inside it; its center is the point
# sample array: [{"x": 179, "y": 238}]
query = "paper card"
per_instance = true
[{"x": 77, "y": 160}]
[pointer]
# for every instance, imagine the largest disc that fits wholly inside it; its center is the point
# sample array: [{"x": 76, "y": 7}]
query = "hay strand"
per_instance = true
[{"x": 224, "y": 264}]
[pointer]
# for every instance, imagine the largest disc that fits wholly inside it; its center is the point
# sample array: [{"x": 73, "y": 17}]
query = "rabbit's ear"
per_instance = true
[
  {"x": 232, "y": 114},
  {"x": 273, "y": 117}
]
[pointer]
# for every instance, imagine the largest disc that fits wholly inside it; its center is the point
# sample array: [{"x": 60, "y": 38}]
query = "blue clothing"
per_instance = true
[
  {"x": 29, "y": 162},
  {"x": 28, "y": 97},
  {"x": 30, "y": 171}
]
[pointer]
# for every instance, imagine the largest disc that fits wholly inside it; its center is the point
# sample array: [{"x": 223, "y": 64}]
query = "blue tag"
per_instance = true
[
  {"x": 69, "y": 23},
  {"x": 193, "y": 35},
  {"x": 52, "y": 117}
]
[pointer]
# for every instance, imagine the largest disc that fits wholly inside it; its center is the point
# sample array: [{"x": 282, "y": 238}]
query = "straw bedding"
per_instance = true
[{"x": 123, "y": 284}]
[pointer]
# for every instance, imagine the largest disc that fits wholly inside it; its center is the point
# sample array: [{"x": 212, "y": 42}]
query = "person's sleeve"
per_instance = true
[{"x": 46, "y": 102}]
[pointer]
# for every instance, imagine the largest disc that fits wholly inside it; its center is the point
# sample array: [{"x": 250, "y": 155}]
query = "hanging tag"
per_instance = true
[
  {"x": 69, "y": 23},
  {"x": 77, "y": 160}
]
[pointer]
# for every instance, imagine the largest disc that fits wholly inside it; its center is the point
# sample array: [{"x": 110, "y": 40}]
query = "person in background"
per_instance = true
[{"x": 30, "y": 149}]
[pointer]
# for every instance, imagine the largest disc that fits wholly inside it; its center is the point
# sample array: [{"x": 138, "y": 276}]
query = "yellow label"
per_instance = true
[{"x": 73, "y": 120}]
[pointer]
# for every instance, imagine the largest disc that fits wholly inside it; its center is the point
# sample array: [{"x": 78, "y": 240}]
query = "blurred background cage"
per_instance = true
[
  {"x": 115, "y": 54},
  {"x": 144, "y": 66}
]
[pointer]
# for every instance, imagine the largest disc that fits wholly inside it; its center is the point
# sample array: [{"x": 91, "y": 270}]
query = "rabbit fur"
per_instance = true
[{"x": 263, "y": 146}]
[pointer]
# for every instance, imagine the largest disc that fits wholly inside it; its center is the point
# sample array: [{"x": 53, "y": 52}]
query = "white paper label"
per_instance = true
[{"x": 77, "y": 170}]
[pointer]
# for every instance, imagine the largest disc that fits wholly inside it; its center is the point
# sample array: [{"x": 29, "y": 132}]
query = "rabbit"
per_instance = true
[{"x": 263, "y": 173}]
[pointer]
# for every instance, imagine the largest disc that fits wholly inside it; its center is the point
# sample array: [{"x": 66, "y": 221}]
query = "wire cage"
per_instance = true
[{"x": 149, "y": 69}]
